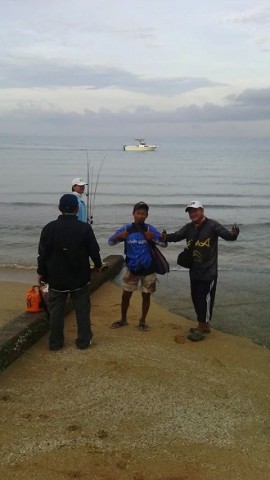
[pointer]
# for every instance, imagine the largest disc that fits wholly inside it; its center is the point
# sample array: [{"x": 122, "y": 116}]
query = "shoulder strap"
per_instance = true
[{"x": 134, "y": 229}]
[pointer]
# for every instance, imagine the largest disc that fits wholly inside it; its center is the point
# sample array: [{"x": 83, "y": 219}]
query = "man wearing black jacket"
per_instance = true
[
  {"x": 63, "y": 262},
  {"x": 204, "y": 270}
]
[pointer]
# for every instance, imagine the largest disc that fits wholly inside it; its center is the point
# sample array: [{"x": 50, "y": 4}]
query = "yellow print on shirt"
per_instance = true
[
  {"x": 197, "y": 256},
  {"x": 201, "y": 244}
]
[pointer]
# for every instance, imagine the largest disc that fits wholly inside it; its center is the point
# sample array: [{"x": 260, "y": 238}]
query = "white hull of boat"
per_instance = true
[{"x": 139, "y": 148}]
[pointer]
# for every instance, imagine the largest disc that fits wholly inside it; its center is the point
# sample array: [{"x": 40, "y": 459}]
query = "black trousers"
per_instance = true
[
  {"x": 57, "y": 303},
  {"x": 203, "y": 298}
]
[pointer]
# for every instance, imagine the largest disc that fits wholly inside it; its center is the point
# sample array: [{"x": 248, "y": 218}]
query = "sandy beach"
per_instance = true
[
  {"x": 136, "y": 405},
  {"x": 13, "y": 300}
]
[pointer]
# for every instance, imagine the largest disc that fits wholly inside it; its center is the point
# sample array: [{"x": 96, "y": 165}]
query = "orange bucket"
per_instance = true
[{"x": 33, "y": 300}]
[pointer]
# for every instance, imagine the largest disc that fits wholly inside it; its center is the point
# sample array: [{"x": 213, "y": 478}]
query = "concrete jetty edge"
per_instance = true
[{"x": 20, "y": 333}]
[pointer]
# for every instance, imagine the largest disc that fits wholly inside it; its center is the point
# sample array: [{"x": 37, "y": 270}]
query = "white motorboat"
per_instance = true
[{"x": 141, "y": 147}]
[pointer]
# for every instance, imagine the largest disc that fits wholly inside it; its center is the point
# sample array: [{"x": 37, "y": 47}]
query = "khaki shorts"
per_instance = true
[{"x": 130, "y": 282}]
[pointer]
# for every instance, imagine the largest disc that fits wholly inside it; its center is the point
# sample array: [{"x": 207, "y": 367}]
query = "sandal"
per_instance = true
[
  {"x": 192, "y": 330},
  {"x": 119, "y": 324},
  {"x": 143, "y": 327},
  {"x": 195, "y": 336}
]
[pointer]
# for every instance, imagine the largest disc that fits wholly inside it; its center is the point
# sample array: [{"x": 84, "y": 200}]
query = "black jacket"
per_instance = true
[
  {"x": 205, "y": 251},
  {"x": 63, "y": 254}
]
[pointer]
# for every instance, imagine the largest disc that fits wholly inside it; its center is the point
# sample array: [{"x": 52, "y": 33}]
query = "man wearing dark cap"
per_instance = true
[
  {"x": 202, "y": 235},
  {"x": 139, "y": 269},
  {"x": 63, "y": 262}
]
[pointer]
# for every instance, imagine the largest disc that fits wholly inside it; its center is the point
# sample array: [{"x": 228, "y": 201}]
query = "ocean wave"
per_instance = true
[
  {"x": 20, "y": 228},
  {"x": 27, "y": 204},
  {"x": 184, "y": 196},
  {"x": 128, "y": 203},
  {"x": 57, "y": 148},
  {"x": 261, "y": 270},
  {"x": 183, "y": 205},
  {"x": 16, "y": 266}
]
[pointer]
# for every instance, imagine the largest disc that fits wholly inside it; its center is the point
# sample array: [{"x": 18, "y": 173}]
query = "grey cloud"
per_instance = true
[
  {"x": 250, "y": 106},
  {"x": 252, "y": 97},
  {"x": 244, "y": 107},
  {"x": 48, "y": 74}
]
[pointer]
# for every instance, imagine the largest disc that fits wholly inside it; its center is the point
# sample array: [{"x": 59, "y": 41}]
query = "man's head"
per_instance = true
[
  {"x": 68, "y": 204},
  {"x": 78, "y": 185},
  {"x": 140, "y": 212},
  {"x": 196, "y": 211}
]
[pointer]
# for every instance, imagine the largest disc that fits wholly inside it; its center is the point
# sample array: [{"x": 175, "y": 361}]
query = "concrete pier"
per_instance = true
[{"x": 20, "y": 333}]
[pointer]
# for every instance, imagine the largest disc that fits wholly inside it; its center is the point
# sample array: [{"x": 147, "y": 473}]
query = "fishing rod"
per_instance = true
[
  {"x": 90, "y": 201},
  {"x": 88, "y": 187},
  {"x": 95, "y": 191},
  {"x": 90, "y": 194}
]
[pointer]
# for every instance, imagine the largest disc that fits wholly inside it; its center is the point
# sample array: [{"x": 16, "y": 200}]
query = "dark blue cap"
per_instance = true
[
  {"x": 68, "y": 203},
  {"x": 141, "y": 206}
]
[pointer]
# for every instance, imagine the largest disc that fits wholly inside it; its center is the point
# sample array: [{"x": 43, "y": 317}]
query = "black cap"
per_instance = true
[
  {"x": 68, "y": 203},
  {"x": 140, "y": 206}
]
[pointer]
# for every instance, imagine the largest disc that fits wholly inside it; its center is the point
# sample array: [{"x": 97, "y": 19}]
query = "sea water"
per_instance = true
[{"x": 229, "y": 176}]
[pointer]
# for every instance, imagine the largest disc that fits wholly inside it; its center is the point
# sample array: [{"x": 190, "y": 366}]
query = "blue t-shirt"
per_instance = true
[
  {"x": 137, "y": 249},
  {"x": 82, "y": 215}
]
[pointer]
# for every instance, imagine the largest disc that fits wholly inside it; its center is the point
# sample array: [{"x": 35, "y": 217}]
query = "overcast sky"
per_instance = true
[{"x": 135, "y": 67}]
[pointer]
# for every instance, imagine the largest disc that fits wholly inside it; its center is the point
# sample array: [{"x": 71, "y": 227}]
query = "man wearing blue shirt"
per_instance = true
[
  {"x": 78, "y": 187},
  {"x": 138, "y": 261}
]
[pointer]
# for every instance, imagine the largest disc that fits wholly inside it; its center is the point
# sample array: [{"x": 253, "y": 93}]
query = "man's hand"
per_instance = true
[
  {"x": 235, "y": 230},
  {"x": 149, "y": 235},
  {"x": 97, "y": 269},
  {"x": 164, "y": 235},
  {"x": 123, "y": 235},
  {"x": 39, "y": 279}
]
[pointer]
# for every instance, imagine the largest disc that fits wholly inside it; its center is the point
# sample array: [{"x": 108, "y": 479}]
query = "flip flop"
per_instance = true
[
  {"x": 119, "y": 324},
  {"x": 195, "y": 336},
  {"x": 143, "y": 327}
]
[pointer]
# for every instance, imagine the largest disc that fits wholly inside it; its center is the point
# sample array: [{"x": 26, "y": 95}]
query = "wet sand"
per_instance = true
[{"x": 136, "y": 405}]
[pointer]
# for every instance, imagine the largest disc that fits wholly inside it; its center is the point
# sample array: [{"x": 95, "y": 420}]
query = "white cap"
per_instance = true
[
  {"x": 193, "y": 204},
  {"x": 78, "y": 181}
]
